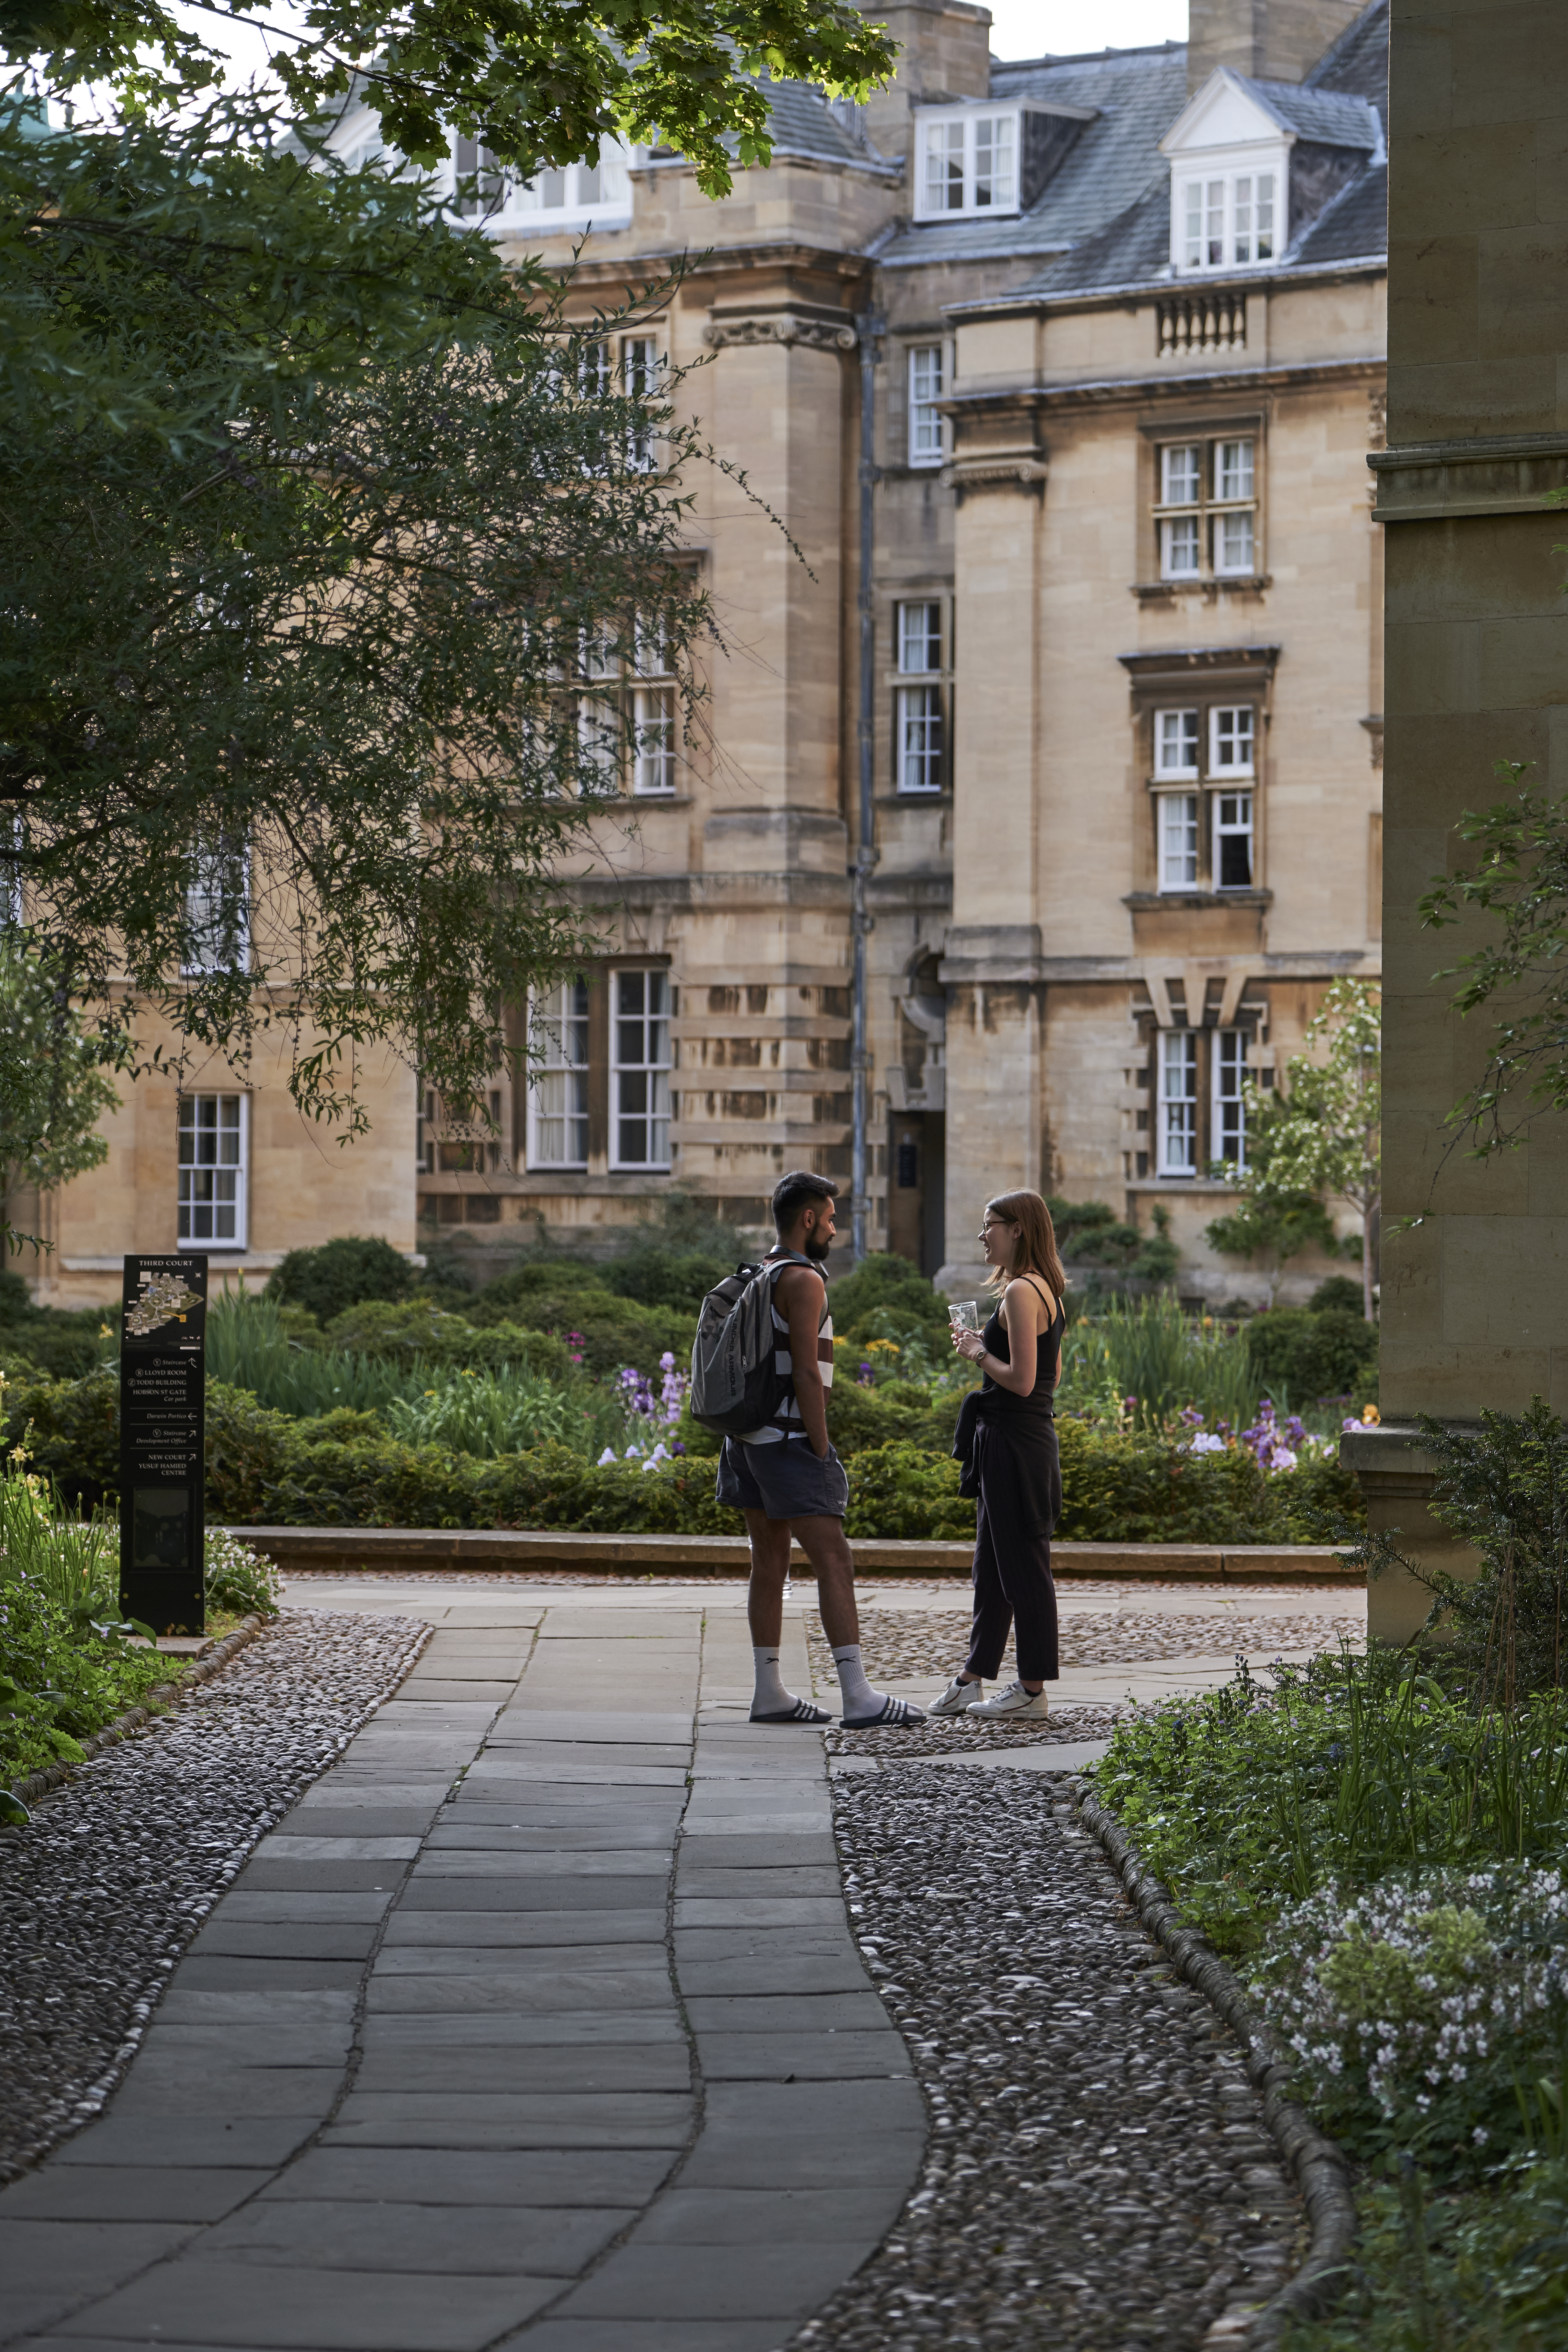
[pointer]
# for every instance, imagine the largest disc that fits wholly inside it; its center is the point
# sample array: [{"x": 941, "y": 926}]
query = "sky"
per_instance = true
[
  {"x": 1020, "y": 28},
  {"x": 1029, "y": 28}
]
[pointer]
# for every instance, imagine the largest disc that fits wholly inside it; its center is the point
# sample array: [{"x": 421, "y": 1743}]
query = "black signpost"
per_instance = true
[{"x": 163, "y": 1534}]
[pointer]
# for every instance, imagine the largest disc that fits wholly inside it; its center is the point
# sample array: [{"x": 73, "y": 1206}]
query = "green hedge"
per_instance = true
[
  {"x": 1305, "y": 1356},
  {"x": 344, "y": 1470},
  {"x": 414, "y": 1330},
  {"x": 562, "y": 1299}
]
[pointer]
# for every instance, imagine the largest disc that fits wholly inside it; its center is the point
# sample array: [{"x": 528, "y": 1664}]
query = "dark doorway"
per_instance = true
[{"x": 917, "y": 1187}]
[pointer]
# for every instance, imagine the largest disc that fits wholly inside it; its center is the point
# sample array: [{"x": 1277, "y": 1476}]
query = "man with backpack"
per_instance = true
[{"x": 762, "y": 1367}]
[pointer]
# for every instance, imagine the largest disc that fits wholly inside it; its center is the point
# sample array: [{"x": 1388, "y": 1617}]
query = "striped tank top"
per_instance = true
[{"x": 785, "y": 1421}]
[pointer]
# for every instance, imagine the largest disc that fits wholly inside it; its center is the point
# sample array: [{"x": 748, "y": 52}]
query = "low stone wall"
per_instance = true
[{"x": 408, "y": 1551}]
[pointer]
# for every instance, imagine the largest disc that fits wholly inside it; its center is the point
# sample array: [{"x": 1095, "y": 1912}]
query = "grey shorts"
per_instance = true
[{"x": 785, "y": 1481}]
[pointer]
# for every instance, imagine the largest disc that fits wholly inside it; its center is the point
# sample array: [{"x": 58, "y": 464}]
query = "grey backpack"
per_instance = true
[{"x": 736, "y": 1384}]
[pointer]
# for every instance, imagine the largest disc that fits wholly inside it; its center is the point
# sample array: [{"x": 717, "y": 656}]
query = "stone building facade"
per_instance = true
[{"x": 1120, "y": 322}]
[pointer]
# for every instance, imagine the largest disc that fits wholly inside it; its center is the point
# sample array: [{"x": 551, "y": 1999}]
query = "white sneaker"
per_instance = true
[
  {"x": 957, "y": 1698},
  {"x": 1013, "y": 1704}
]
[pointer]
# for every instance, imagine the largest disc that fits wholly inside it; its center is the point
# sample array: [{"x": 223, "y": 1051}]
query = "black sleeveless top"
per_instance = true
[
  {"x": 1041, "y": 1397},
  {"x": 1016, "y": 1459}
]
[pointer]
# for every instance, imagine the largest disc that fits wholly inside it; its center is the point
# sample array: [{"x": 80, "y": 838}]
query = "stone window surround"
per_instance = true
[
  {"x": 894, "y": 681},
  {"x": 1204, "y": 679},
  {"x": 1159, "y": 433}
]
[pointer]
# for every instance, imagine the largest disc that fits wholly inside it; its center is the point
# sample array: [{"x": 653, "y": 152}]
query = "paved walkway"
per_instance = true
[
  {"x": 538, "y": 2020},
  {"x": 585, "y": 2053}
]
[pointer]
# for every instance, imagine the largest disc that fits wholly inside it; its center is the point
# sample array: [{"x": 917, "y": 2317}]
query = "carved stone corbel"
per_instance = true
[{"x": 782, "y": 326}]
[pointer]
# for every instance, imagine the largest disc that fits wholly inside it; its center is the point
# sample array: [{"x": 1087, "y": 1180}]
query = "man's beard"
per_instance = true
[{"x": 816, "y": 1246}]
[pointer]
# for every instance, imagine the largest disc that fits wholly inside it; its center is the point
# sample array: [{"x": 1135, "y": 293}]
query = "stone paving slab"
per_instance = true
[
  {"x": 209, "y": 1972},
  {"x": 476, "y": 2241},
  {"x": 369, "y": 1820},
  {"x": 257, "y": 1905},
  {"x": 641, "y": 2336},
  {"x": 622, "y": 2068},
  {"x": 183, "y": 2088},
  {"x": 445, "y": 1940},
  {"x": 782, "y": 1973},
  {"x": 475, "y": 1903},
  {"x": 664, "y": 2282},
  {"x": 298, "y": 1939},
  {"x": 149, "y": 2193},
  {"x": 571, "y": 2177},
  {"x": 834, "y": 2012},
  {"x": 531, "y": 1866},
  {"x": 428, "y": 1690},
  {"x": 246, "y": 2141},
  {"x": 202, "y": 2301},
  {"x": 828, "y": 2056},
  {"x": 751, "y": 2217}
]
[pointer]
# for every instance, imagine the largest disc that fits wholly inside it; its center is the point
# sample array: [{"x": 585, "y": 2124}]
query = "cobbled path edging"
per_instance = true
[
  {"x": 1099, "y": 2177},
  {"x": 102, "y": 1890},
  {"x": 201, "y": 1670},
  {"x": 1320, "y": 2168}
]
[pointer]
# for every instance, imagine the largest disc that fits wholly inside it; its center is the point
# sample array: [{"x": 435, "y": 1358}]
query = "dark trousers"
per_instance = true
[{"x": 1012, "y": 1587}]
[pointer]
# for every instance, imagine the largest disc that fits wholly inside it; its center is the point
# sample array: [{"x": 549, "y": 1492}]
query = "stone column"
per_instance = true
[
  {"x": 991, "y": 967},
  {"x": 1475, "y": 1297}
]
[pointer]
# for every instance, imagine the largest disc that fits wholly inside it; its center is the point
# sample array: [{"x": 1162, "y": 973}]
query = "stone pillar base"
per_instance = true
[{"x": 1396, "y": 1475}]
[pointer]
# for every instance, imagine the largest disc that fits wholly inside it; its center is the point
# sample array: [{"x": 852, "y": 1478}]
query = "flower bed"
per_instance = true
[{"x": 1378, "y": 1842}]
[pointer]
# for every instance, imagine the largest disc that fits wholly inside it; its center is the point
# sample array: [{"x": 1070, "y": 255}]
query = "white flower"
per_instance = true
[{"x": 607, "y": 1455}]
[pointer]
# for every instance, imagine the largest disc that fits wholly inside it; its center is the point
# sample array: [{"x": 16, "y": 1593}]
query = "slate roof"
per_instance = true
[
  {"x": 1331, "y": 118},
  {"x": 1358, "y": 60},
  {"x": 805, "y": 123},
  {"x": 1104, "y": 220},
  {"x": 1138, "y": 94}
]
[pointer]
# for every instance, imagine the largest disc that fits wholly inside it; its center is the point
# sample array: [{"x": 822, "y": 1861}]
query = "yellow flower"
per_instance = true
[{"x": 1371, "y": 1417}]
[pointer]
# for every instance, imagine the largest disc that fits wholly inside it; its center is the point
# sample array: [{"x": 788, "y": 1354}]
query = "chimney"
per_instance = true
[
  {"x": 1267, "y": 41},
  {"x": 944, "y": 53}
]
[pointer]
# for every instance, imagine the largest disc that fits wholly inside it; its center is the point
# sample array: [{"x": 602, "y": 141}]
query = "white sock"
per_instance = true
[
  {"x": 772, "y": 1695},
  {"x": 859, "y": 1698}
]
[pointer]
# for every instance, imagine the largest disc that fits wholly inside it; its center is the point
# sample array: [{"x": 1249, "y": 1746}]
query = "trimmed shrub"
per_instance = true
[
  {"x": 1296, "y": 1353},
  {"x": 63, "y": 1343},
  {"x": 246, "y": 1448},
  {"x": 1341, "y": 1293},
  {"x": 562, "y": 1298},
  {"x": 884, "y": 1298},
  {"x": 900, "y": 1491},
  {"x": 340, "y": 1274},
  {"x": 667, "y": 1278},
  {"x": 75, "y": 1436},
  {"x": 897, "y": 1411},
  {"x": 410, "y": 1331}
]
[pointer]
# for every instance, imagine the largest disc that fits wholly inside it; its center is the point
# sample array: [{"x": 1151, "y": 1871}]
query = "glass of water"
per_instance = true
[{"x": 964, "y": 1315}]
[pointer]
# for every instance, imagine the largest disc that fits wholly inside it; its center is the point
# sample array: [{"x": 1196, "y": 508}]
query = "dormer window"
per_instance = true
[
  {"x": 1227, "y": 220},
  {"x": 1253, "y": 162},
  {"x": 976, "y": 158},
  {"x": 969, "y": 165},
  {"x": 577, "y": 195}
]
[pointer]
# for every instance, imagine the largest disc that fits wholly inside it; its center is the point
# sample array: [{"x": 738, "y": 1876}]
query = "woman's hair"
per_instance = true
[{"x": 1037, "y": 1252}]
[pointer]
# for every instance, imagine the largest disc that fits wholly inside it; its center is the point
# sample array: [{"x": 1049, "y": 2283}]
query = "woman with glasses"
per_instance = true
[{"x": 1007, "y": 1436}]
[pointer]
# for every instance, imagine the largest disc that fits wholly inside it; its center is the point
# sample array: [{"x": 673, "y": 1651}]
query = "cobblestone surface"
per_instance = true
[
  {"x": 100, "y": 1894},
  {"x": 956, "y": 1735},
  {"x": 904, "y": 1643},
  {"x": 1099, "y": 2178}
]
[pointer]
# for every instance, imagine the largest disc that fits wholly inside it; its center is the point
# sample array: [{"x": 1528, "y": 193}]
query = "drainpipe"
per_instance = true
[{"x": 869, "y": 327}]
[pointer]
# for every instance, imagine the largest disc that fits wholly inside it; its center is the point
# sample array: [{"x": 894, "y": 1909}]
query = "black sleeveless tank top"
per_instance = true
[{"x": 1041, "y": 1399}]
